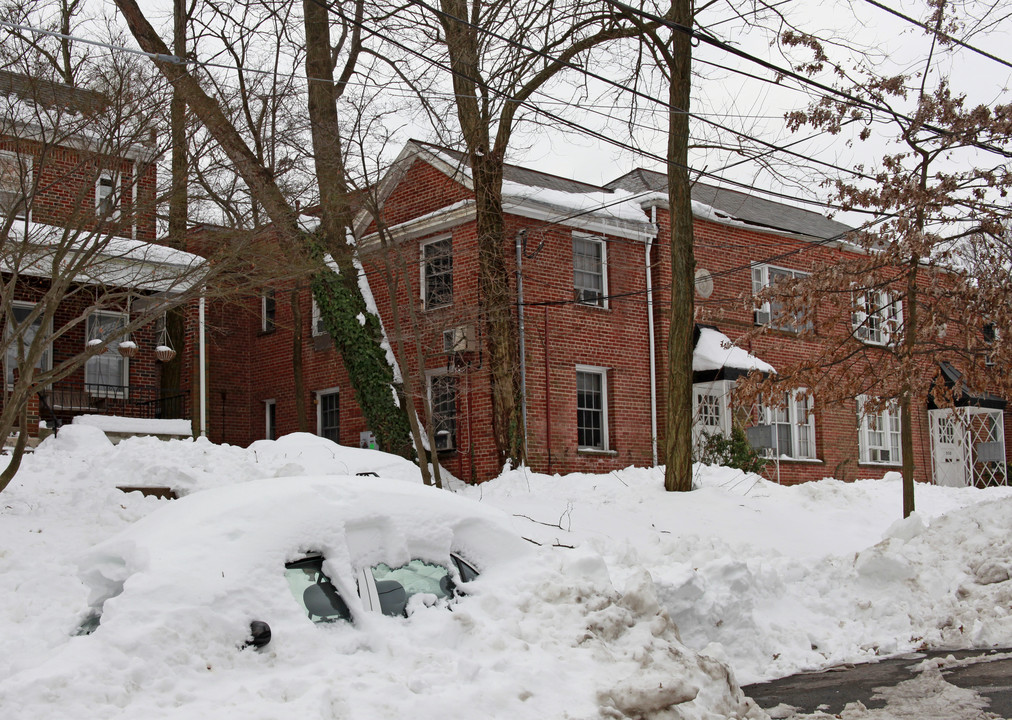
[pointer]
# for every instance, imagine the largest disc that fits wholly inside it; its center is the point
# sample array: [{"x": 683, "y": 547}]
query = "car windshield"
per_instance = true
[{"x": 315, "y": 592}]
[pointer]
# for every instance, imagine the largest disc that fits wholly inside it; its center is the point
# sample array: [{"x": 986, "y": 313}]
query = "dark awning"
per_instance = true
[{"x": 953, "y": 380}]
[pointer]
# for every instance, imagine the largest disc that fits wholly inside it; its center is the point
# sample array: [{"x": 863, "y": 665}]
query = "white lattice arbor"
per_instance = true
[{"x": 968, "y": 447}]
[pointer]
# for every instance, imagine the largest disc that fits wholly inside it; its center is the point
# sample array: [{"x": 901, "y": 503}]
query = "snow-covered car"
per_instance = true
[{"x": 261, "y": 554}]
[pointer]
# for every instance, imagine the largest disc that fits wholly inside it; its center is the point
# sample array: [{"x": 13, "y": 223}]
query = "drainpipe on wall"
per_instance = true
[
  {"x": 650, "y": 335},
  {"x": 203, "y": 368},
  {"x": 520, "y": 326}
]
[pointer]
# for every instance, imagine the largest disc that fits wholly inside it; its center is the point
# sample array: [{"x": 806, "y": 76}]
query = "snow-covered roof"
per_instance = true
[
  {"x": 120, "y": 262},
  {"x": 715, "y": 351},
  {"x": 528, "y": 193},
  {"x": 728, "y": 206}
]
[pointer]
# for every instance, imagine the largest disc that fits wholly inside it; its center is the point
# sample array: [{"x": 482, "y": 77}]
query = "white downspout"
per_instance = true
[
  {"x": 203, "y": 369},
  {"x": 520, "y": 321},
  {"x": 650, "y": 335}
]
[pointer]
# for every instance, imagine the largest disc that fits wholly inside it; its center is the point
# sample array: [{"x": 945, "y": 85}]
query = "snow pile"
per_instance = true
[
  {"x": 634, "y": 600},
  {"x": 541, "y": 633},
  {"x": 774, "y": 579}
]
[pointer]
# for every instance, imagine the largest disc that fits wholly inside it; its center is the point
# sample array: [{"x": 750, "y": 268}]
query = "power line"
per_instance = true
[
  {"x": 828, "y": 89},
  {"x": 601, "y": 136},
  {"x": 939, "y": 33}
]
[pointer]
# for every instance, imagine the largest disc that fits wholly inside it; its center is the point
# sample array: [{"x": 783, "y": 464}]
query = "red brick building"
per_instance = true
[
  {"x": 591, "y": 281},
  {"x": 79, "y": 191}
]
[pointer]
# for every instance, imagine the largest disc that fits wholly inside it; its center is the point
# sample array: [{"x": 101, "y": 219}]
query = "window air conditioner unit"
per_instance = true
[
  {"x": 760, "y": 437},
  {"x": 459, "y": 339}
]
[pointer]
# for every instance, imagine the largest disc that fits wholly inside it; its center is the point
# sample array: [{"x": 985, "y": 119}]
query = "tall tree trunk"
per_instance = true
[
  {"x": 172, "y": 371},
  {"x": 678, "y": 430},
  {"x": 497, "y": 304},
  {"x": 339, "y": 297},
  {"x": 496, "y": 296}
]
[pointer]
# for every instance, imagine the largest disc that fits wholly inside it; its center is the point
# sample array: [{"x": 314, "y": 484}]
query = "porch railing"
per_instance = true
[{"x": 58, "y": 403}]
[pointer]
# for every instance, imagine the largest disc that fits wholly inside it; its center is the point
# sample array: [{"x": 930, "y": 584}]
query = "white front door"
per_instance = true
[{"x": 947, "y": 448}]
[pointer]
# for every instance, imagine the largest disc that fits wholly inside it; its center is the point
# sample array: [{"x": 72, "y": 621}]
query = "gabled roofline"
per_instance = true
[
  {"x": 411, "y": 151},
  {"x": 529, "y": 207}
]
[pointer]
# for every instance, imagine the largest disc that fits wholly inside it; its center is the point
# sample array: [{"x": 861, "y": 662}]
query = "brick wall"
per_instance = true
[
  {"x": 64, "y": 179},
  {"x": 559, "y": 333}
]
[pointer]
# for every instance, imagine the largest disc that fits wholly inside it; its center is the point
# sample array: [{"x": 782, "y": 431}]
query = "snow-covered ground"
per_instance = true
[{"x": 767, "y": 579}]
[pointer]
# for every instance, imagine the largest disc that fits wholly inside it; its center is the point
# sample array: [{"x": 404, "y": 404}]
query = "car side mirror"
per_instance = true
[{"x": 259, "y": 634}]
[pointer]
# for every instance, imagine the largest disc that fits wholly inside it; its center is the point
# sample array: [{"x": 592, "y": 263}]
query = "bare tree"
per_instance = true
[
  {"x": 499, "y": 56},
  {"x": 68, "y": 265},
  {"x": 905, "y": 303},
  {"x": 337, "y": 293}
]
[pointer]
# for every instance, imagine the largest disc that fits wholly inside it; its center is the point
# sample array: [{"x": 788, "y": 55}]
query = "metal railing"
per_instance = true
[{"x": 66, "y": 399}]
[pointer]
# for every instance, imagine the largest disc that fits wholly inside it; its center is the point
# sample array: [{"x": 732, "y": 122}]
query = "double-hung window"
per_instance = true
[
  {"x": 877, "y": 317},
  {"x": 268, "y": 311},
  {"x": 878, "y": 433},
  {"x": 591, "y": 408},
  {"x": 437, "y": 273},
  {"x": 20, "y": 313},
  {"x": 793, "y": 422},
  {"x": 319, "y": 328},
  {"x": 772, "y": 312},
  {"x": 15, "y": 176},
  {"x": 107, "y": 196},
  {"x": 108, "y": 372},
  {"x": 328, "y": 415},
  {"x": 590, "y": 271},
  {"x": 443, "y": 400}
]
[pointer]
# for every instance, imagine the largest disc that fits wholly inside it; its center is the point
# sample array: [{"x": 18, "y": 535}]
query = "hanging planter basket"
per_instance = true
[
  {"x": 164, "y": 350},
  {"x": 128, "y": 349}
]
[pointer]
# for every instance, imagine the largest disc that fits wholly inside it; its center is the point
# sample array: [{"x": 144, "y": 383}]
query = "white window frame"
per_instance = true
[
  {"x": 764, "y": 312},
  {"x": 25, "y": 164},
  {"x": 586, "y": 295},
  {"x": 268, "y": 323},
  {"x": 270, "y": 423},
  {"x": 992, "y": 336},
  {"x": 707, "y": 396},
  {"x": 801, "y": 430},
  {"x": 424, "y": 266},
  {"x": 870, "y": 448},
  {"x": 45, "y": 361},
  {"x": 320, "y": 394},
  {"x": 602, "y": 373},
  {"x": 432, "y": 377},
  {"x": 317, "y": 328},
  {"x": 877, "y": 318},
  {"x": 112, "y": 348},
  {"x": 115, "y": 193}
]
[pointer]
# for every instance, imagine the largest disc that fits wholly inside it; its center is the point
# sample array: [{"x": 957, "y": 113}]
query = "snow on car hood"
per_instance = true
[{"x": 234, "y": 541}]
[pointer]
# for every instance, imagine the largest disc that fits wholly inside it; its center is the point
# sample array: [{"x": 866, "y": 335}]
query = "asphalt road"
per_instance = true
[{"x": 985, "y": 672}]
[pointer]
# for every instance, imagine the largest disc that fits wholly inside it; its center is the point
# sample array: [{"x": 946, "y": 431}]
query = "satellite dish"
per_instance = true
[{"x": 704, "y": 283}]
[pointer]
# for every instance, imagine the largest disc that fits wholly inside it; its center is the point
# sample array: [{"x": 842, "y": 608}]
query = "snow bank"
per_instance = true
[
  {"x": 768, "y": 579},
  {"x": 777, "y": 579},
  {"x": 541, "y": 633}
]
